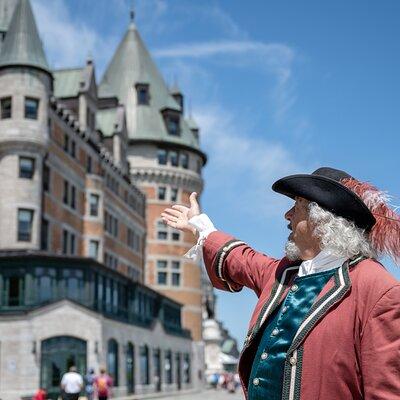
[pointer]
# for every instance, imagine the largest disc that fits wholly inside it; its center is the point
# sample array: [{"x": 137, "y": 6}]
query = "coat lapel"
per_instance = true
[{"x": 325, "y": 301}]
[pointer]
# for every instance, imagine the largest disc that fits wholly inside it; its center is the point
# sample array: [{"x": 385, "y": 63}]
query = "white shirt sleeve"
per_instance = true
[{"x": 204, "y": 227}]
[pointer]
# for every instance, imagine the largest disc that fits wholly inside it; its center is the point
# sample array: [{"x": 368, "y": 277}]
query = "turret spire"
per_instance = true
[{"x": 22, "y": 45}]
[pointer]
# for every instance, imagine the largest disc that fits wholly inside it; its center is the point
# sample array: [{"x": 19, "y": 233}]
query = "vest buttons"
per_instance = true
[
  {"x": 294, "y": 288},
  {"x": 293, "y": 360},
  {"x": 256, "y": 381},
  {"x": 275, "y": 332},
  {"x": 264, "y": 356},
  {"x": 284, "y": 309}
]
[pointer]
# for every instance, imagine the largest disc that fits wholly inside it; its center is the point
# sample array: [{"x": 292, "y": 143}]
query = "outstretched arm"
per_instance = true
[{"x": 230, "y": 263}]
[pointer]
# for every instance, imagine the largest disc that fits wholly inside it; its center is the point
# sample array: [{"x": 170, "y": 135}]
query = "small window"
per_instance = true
[
  {"x": 174, "y": 194},
  {"x": 173, "y": 125},
  {"x": 198, "y": 166},
  {"x": 44, "y": 235},
  {"x": 25, "y": 218},
  {"x": 184, "y": 161},
  {"x": 73, "y": 197},
  {"x": 6, "y": 105},
  {"x": 66, "y": 192},
  {"x": 94, "y": 201},
  {"x": 88, "y": 164},
  {"x": 162, "y": 156},
  {"x": 31, "y": 108},
  {"x": 162, "y": 273},
  {"x": 26, "y": 167},
  {"x": 46, "y": 178},
  {"x": 66, "y": 142},
  {"x": 175, "y": 273},
  {"x": 162, "y": 231},
  {"x": 65, "y": 241},
  {"x": 176, "y": 235},
  {"x": 143, "y": 95},
  {"x": 73, "y": 148},
  {"x": 173, "y": 158},
  {"x": 162, "y": 190},
  {"x": 94, "y": 249},
  {"x": 72, "y": 244}
]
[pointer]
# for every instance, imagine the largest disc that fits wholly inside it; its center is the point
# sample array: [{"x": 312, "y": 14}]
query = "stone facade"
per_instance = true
[{"x": 81, "y": 191}]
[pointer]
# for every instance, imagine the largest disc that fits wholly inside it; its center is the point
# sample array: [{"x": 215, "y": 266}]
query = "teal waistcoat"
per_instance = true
[{"x": 267, "y": 371}]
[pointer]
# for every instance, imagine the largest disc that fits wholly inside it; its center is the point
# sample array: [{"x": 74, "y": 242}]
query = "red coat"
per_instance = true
[{"x": 348, "y": 346}]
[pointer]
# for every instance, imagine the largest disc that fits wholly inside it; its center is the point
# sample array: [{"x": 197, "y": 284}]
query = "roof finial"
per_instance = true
[{"x": 132, "y": 12}]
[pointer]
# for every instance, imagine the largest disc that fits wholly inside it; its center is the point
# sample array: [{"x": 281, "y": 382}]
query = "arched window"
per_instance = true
[
  {"x": 130, "y": 367},
  {"x": 112, "y": 360},
  {"x": 58, "y": 354},
  {"x": 144, "y": 365}
]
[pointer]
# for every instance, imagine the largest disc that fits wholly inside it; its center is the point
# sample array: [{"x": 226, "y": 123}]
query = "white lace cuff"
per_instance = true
[{"x": 204, "y": 227}]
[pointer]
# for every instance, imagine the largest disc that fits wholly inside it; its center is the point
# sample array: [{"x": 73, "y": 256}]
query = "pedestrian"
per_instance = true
[
  {"x": 103, "y": 385},
  {"x": 71, "y": 384},
  {"x": 327, "y": 322},
  {"x": 89, "y": 384},
  {"x": 41, "y": 394}
]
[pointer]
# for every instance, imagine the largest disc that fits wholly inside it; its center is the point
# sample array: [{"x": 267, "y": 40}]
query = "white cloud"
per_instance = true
[
  {"x": 236, "y": 159},
  {"x": 67, "y": 41},
  {"x": 271, "y": 58}
]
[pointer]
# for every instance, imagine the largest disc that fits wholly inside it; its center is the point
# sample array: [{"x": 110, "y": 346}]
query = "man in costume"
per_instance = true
[{"x": 327, "y": 322}]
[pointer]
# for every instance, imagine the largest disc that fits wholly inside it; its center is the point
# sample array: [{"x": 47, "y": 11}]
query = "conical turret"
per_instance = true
[{"x": 22, "y": 45}]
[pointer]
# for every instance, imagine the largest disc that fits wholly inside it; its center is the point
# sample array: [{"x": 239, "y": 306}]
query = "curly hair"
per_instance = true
[{"x": 341, "y": 236}]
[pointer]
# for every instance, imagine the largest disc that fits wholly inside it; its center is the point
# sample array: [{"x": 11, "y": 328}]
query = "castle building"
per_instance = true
[{"x": 88, "y": 275}]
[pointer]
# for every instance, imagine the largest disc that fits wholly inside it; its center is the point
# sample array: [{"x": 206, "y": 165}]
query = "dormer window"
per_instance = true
[
  {"x": 172, "y": 122},
  {"x": 143, "y": 94}
]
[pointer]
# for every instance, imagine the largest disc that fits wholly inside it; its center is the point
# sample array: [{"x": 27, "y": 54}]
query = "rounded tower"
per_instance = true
[
  {"x": 25, "y": 81},
  {"x": 166, "y": 162}
]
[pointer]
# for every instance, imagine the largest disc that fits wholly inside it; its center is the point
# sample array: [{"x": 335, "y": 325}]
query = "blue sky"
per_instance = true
[{"x": 276, "y": 87}]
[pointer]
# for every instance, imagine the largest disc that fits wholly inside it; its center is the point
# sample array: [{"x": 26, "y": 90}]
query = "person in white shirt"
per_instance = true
[{"x": 72, "y": 384}]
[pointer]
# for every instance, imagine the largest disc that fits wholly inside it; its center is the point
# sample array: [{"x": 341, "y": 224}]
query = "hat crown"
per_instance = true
[{"x": 332, "y": 173}]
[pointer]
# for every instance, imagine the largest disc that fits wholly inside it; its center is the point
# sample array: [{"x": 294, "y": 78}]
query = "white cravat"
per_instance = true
[{"x": 323, "y": 261}]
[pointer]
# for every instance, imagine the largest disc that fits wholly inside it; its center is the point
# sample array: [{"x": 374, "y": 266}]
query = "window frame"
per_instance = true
[
  {"x": 25, "y": 236},
  {"x": 36, "y": 101},
  {"x": 24, "y": 174},
  {"x": 6, "y": 113}
]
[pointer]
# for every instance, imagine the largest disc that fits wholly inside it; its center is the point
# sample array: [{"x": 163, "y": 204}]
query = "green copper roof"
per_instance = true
[
  {"x": 6, "y": 11},
  {"x": 67, "y": 82},
  {"x": 132, "y": 64},
  {"x": 22, "y": 45},
  {"x": 106, "y": 121}
]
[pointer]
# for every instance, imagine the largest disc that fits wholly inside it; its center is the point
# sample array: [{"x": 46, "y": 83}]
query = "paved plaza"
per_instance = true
[{"x": 209, "y": 395}]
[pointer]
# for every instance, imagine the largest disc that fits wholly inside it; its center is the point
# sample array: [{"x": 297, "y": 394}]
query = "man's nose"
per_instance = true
[{"x": 289, "y": 214}]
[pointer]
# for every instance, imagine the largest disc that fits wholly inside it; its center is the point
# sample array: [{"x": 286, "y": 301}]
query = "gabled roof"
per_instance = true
[
  {"x": 110, "y": 120},
  {"x": 67, "y": 82},
  {"x": 130, "y": 65},
  {"x": 22, "y": 45},
  {"x": 70, "y": 82}
]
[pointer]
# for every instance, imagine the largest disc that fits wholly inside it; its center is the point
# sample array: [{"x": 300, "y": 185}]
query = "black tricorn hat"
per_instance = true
[{"x": 324, "y": 187}]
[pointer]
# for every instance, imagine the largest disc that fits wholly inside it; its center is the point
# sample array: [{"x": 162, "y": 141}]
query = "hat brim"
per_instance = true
[{"x": 329, "y": 194}]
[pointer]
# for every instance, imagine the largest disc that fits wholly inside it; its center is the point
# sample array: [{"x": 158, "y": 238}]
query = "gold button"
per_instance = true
[
  {"x": 275, "y": 332},
  {"x": 264, "y": 356},
  {"x": 294, "y": 288},
  {"x": 256, "y": 381},
  {"x": 293, "y": 360}
]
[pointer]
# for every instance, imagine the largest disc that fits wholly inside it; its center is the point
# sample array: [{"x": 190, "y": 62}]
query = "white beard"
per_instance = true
[{"x": 292, "y": 251}]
